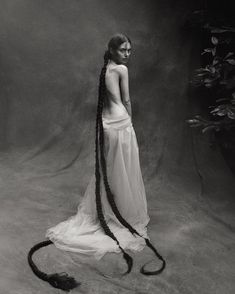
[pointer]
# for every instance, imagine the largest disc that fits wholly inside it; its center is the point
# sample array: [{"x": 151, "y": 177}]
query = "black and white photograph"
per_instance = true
[{"x": 117, "y": 146}]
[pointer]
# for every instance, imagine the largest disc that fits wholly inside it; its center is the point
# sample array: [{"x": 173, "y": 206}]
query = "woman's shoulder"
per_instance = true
[{"x": 120, "y": 69}]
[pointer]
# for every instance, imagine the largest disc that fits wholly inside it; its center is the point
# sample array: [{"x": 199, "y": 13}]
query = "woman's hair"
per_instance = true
[
  {"x": 62, "y": 280},
  {"x": 114, "y": 43}
]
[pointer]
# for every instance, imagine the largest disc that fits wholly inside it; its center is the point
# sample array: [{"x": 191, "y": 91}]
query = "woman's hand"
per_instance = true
[{"x": 127, "y": 104}]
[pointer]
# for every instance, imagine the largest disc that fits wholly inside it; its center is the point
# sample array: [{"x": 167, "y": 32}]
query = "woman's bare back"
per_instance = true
[{"x": 113, "y": 105}]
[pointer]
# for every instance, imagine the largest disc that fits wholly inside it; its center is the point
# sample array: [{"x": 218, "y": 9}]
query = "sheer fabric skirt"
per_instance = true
[{"x": 82, "y": 233}]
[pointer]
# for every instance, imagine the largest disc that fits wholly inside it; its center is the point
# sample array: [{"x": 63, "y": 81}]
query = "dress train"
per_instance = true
[{"x": 82, "y": 233}]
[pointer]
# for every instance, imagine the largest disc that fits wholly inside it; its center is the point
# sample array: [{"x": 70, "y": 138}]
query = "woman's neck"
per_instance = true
[{"x": 111, "y": 62}]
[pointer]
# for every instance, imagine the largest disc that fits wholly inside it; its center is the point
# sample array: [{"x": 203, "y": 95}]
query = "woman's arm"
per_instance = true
[{"x": 124, "y": 86}]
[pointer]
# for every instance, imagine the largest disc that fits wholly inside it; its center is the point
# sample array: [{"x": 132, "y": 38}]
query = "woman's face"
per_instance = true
[{"x": 122, "y": 54}]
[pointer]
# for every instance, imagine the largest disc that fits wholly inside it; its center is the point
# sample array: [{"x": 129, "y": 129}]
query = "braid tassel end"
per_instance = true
[
  {"x": 57, "y": 280},
  {"x": 62, "y": 281}
]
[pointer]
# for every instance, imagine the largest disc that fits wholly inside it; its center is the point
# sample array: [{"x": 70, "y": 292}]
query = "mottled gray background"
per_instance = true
[{"x": 51, "y": 55}]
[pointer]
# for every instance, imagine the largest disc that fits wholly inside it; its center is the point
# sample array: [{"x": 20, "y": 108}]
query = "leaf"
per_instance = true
[
  {"x": 206, "y": 129},
  {"x": 213, "y": 51},
  {"x": 207, "y": 50},
  {"x": 192, "y": 121},
  {"x": 207, "y": 80},
  {"x": 221, "y": 112},
  {"x": 221, "y": 99},
  {"x": 214, "y": 40},
  {"x": 215, "y": 61},
  {"x": 217, "y": 30},
  {"x": 228, "y": 55},
  {"x": 201, "y": 69},
  {"x": 231, "y": 114},
  {"x": 201, "y": 120},
  {"x": 231, "y": 29},
  {"x": 212, "y": 68},
  {"x": 215, "y": 110},
  {"x": 201, "y": 74},
  {"x": 231, "y": 61}
]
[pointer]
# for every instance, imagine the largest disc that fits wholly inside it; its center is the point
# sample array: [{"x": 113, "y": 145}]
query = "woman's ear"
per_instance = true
[{"x": 111, "y": 51}]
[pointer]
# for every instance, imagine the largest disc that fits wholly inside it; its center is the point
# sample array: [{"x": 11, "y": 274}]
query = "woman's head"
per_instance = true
[{"x": 119, "y": 49}]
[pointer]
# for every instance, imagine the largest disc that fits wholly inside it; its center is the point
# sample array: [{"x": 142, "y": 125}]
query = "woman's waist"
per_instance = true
[
  {"x": 114, "y": 109},
  {"x": 119, "y": 121}
]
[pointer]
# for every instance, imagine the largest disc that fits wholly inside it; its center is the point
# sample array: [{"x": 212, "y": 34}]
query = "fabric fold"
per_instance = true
[{"x": 82, "y": 232}]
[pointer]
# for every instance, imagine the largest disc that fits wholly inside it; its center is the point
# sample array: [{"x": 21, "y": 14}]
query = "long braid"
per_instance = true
[
  {"x": 101, "y": 217},
  {"x": 62, "y": 280},
  {"x": 110, "y": 195}
]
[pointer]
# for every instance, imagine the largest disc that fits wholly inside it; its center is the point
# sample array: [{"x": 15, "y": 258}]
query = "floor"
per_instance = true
[{"x": 191, "y": 208}]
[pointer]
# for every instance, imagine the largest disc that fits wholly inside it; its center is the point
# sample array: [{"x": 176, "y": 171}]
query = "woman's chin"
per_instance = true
[{"x": 124, "y": 61}]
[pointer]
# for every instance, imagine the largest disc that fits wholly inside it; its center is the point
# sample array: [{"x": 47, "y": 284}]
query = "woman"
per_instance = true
[{"x": 112, "y": 215}]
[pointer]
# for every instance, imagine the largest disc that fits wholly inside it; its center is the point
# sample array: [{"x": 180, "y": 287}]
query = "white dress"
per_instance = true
[{"x": 82, "y": 233}]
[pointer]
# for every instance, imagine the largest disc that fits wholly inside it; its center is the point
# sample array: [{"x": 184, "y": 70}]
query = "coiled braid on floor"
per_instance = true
[
  {"x": 62, "y": 280},
  {"x": 110, "y": 196}
]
